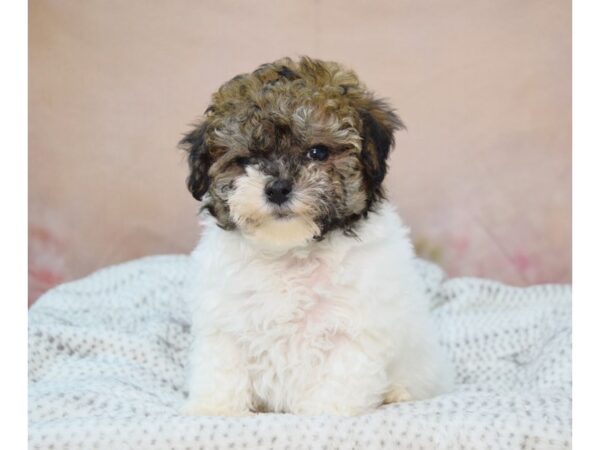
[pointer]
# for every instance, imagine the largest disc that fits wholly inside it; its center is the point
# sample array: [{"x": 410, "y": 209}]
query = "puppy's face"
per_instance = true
[{"x": 290, "y": 152}]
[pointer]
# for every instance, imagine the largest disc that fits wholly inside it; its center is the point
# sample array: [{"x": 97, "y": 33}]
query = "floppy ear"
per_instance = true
[
  {"x": 198, "y": 160},
  {"x": 378, "y": 125}
]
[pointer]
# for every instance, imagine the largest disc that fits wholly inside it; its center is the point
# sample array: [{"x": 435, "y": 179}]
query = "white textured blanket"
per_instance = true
[{"x": 107, "y": 356}]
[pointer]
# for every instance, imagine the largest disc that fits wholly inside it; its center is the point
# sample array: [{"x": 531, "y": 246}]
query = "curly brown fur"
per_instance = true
[{"x": 260, "y": 126}]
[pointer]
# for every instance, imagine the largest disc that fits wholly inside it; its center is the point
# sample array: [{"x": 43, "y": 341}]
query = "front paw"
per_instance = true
[
  {"x": 397, "y": 394},
  {"x": 193, "y": 407}
]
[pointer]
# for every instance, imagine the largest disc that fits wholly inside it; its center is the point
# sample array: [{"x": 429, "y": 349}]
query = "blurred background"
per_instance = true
[{"x": 482, "y": 175}]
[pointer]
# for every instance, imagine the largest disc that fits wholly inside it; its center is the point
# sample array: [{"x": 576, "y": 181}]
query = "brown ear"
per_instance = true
[
  {"x": 378, "y": 125},
  {"x": 198, "y": 160}
]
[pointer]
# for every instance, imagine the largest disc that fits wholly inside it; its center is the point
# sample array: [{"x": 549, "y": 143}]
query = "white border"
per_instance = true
[
  {"x": 586, "y": 224},
  {"x": 13, "y": 179}
]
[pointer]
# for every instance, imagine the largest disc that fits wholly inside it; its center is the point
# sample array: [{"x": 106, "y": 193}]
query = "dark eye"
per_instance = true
[
  {"x": 318, "y": 153},
  {"x": 243, "y": 161}
]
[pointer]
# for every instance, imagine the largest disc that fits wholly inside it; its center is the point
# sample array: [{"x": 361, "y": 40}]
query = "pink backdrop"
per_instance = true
[{"x": 482, "y": 176}]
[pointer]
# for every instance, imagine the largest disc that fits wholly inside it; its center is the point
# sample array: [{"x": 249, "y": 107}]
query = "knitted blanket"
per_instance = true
[{"x": 107, "y": 356}]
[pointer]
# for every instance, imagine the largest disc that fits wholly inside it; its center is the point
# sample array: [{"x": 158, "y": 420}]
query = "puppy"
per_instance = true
[{"x": 304, "y": 295}]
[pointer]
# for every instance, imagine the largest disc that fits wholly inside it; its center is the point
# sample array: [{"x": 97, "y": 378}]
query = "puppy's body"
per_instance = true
[
  {"x": 337, "y": 327},
  {"x": 303, "y": 290}
]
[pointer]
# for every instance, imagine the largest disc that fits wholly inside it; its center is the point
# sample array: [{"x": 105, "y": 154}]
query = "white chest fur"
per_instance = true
[{"x": 276, "y": 328}]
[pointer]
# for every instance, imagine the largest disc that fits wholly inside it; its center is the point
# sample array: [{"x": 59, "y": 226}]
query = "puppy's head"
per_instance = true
[{"x": 291, "y": 151}]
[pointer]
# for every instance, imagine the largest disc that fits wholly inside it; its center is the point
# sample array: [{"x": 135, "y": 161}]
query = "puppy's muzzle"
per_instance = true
[{"x": 278, "y": 191}]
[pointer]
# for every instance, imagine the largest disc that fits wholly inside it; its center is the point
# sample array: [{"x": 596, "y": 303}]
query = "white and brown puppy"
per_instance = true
[{"x": 304, "y": 294}]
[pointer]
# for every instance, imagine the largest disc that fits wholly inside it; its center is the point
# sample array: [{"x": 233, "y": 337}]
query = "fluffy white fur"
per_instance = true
[
  {"x": 255, "y": 219},
  {"x": 338, "y": 326}
]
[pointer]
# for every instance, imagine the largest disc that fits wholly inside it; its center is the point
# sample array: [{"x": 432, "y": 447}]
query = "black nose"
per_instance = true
[{"x": 278, "y": 191}]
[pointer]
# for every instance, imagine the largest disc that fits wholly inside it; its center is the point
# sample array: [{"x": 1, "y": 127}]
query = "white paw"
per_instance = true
[{"x": 398, "y": 394}]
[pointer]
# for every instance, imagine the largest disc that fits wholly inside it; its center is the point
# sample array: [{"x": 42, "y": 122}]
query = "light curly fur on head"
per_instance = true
[{"x": 260, "y": 126}]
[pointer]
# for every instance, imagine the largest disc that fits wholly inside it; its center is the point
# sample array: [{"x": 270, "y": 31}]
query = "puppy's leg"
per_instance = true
[
  {"x": 349, "y": 383},
  {"x": 218, "y": 379}
]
